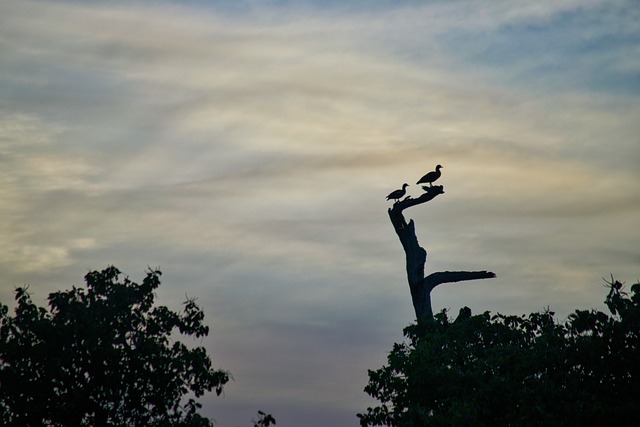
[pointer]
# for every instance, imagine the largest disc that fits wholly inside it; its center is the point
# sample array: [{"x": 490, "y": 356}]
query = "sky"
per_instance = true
[{"x": 246, "y": 149}]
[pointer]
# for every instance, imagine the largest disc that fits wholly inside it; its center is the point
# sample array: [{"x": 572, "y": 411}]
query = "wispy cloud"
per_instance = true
[{"x": 247, "y": 150}]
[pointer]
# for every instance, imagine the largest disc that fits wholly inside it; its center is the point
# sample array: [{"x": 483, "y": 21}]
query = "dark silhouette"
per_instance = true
[
  {"x": 416, "y": 256},
  {"x": 103, "y": 356},
  {"x": 497, "y": 370},
  {"x": 398, "y": 194},
  {"x": 431, "y": 177},
  {"x": 264, "y": 420}
]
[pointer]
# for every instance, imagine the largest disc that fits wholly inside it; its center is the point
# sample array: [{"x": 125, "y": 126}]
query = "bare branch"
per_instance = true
[
  {"x": 429, "y": 194},
  {"x": 435, "y": 279}
]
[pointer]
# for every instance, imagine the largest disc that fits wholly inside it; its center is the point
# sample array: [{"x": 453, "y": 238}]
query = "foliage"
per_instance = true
[
  {"x": 264, "y": 420},
  {"x": 102, "y": 356},
  {"x": 488, "y": 370}
]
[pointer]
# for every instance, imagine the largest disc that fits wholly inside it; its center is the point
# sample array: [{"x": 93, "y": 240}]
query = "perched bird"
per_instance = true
[
  {"x": 431, "y": 176},
  {"x": 397, "y": 194}
]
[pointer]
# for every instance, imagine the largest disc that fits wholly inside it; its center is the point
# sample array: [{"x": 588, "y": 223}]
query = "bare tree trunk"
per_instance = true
[{"x": 416, "y": 257}]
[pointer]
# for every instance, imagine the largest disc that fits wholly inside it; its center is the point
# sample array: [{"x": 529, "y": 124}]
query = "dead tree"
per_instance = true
[{"x": 416, "y": 256}]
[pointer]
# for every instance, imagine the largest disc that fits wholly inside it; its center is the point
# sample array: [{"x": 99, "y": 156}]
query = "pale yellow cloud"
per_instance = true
[
  {"x": 31, "y": 258},
  {"x": 293, "y": 122}
]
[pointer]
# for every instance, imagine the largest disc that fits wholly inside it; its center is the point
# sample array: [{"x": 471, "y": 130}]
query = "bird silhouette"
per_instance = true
[
  {"x": 431, "y": 176},
  {"x": 397, "y": 194}
]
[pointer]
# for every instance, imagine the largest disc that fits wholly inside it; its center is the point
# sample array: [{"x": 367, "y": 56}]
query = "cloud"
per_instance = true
[{"x": 247, "y": 151}]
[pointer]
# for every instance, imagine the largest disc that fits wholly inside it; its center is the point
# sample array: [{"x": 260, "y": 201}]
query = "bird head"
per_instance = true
[
  {"x": 404, "y": 185},
  {"x": 439, "y": 167}
]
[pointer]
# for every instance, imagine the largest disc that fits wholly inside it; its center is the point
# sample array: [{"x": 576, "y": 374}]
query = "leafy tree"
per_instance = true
[
  {"x": 501, "y": 370},
  {"x": 104, "y": 355},
  {"x": 264, "y": 420}
]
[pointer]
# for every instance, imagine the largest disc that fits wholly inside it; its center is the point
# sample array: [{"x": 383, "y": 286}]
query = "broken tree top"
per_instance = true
[{"x": 416, "y": 256}]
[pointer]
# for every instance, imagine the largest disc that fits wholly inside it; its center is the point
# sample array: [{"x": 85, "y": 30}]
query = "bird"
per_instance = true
[
  {"x": 431, "y": 176},
  {"x": 397, "y": 194}
]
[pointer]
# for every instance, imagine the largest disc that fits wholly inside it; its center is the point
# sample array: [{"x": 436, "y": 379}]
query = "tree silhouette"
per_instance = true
[
  {"x": 264, "y": 420},
  {"x": 502, "y": 370},
  {"x": 416, "y": 256},
  {"x": 102, "y": 356}
]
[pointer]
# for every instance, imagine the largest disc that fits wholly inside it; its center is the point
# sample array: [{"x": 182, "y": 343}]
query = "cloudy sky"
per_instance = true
[{"x": 246, "y": 149}]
